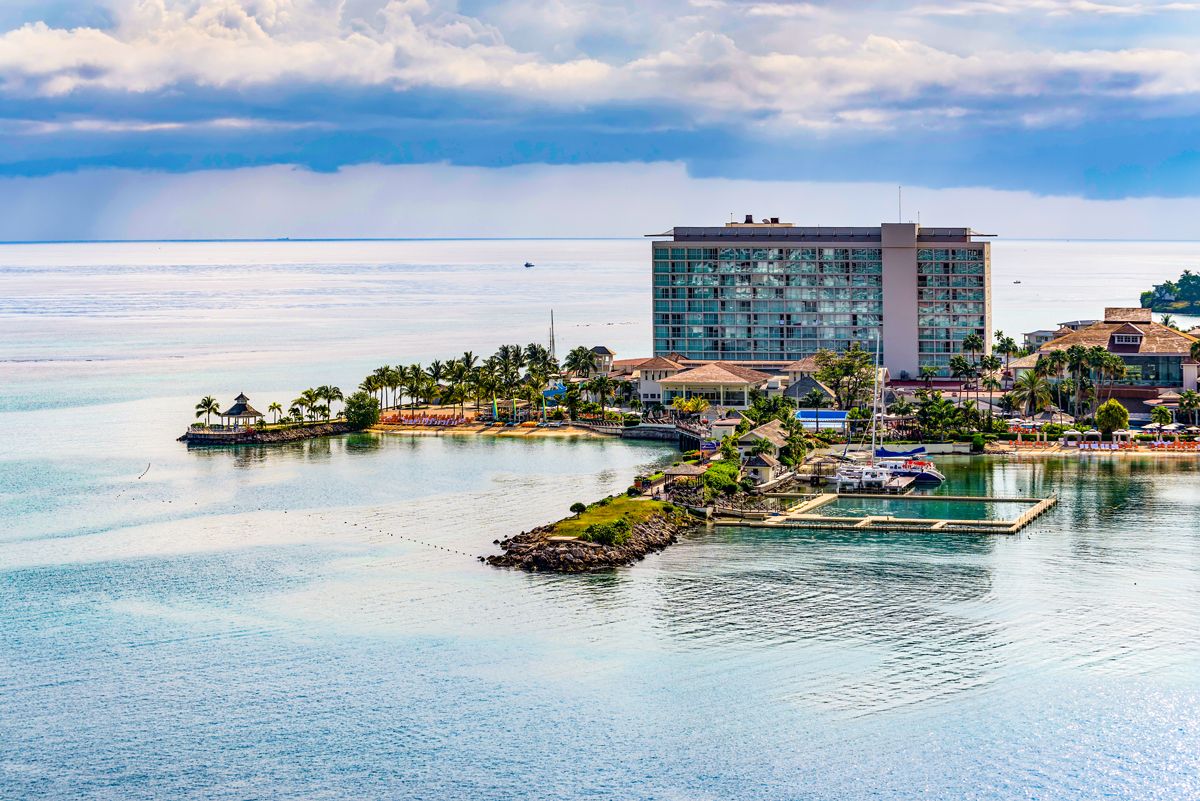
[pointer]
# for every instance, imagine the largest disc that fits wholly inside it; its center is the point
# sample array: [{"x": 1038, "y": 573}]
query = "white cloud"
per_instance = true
[
  {"x": 827, "y": 76},
  {"x": 952, "y": 8},
  {"x": 110, "y": 126}
]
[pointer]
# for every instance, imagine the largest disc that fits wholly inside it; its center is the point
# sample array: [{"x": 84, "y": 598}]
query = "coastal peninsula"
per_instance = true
[{"x": 612, "y": 532}]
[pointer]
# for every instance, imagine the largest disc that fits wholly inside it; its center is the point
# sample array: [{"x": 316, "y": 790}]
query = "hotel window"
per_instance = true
[{"x": 1127, "y": 339}]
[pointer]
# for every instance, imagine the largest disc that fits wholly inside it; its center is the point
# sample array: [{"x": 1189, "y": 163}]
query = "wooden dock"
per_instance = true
[{"x": 806, "y": 515}]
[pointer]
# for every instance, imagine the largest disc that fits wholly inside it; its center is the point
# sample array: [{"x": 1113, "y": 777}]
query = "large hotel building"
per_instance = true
[{"x": 772, "y": 292}]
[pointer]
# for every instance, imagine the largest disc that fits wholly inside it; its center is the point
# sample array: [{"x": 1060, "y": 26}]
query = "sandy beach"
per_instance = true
[{"x": 468, "y": 429}]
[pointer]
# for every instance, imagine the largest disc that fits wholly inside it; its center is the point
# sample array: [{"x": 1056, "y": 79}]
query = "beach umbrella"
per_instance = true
[
  {"x": 1172, "y": 427},
  {"x": 1092, "y": 433},
  {"x": 1151, "y": 427}
]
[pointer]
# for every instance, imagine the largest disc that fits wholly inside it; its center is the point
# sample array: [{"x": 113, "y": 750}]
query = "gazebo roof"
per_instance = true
[
  {"x": 685, "y": 470},
  {"x": 241, "y": 408}
]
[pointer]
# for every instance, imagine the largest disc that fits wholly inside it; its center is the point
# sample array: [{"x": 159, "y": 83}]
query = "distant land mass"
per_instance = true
[{"x": 1181, "y": 296}]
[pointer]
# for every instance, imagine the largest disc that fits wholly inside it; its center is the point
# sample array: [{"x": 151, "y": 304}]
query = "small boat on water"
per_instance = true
[
  {"x": 883, "y": 465},
  {"x": 921, "y": 471},
  {"x": 859, "y": 477},
  {"x": 528, "y": 264}
]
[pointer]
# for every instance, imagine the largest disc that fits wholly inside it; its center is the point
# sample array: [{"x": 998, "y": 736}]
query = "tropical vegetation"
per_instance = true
[
  {"x": 362, "y": 410},
  {"x": 1181, "y": 296}
]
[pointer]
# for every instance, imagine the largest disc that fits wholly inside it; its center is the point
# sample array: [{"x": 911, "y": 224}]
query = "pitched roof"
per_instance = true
[
  {"x": 806, "y": 365},
  {"x": 718, "y": 373},
  {"x": 1156, "y": 338},
  {"x": 802, "y": 386},
  {"x": 772, "y": 431},
  {"x": 1025, "y": 362},
  {"x": 625, "y": 368},
  {"x": 762, "y": 460},
  {"x": 1129, "y": 328},
  {"x": 241, "y": 408},
  {"x": 603, "y": 351},
  {"x": 659, "y": 363}
]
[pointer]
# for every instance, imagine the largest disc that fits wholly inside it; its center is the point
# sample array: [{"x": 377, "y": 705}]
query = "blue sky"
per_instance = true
[{"x": 1088, "y": 99}]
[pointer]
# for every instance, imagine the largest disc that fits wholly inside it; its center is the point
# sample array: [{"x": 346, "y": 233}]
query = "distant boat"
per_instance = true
[
  {"x": 528, "y": 264},
  {"x": 1016, "y": 282}
]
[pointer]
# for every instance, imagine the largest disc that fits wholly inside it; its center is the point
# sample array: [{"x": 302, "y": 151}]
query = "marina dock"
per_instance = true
[{"x": 807, "y": 515}]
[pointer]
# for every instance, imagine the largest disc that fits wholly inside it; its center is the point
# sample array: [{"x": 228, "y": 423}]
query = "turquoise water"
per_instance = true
[
  {"x": 310, "y": 622},
  {"x": 924, "y": 510}
]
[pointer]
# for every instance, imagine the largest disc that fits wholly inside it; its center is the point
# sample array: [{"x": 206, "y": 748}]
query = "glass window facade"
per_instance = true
[
  {"x": 765, "y": 303},
  {"x": 951, "y": 302},
  {"x": 1153, "y": 371}
]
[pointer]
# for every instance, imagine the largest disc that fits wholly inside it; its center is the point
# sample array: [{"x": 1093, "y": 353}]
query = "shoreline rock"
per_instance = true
[
  {"x": 540, "y": 550},
  {"x": 253, "y": 437}
]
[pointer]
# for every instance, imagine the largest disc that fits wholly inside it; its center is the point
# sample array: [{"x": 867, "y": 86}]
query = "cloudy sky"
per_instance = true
[{"x": 144, "y": 118}]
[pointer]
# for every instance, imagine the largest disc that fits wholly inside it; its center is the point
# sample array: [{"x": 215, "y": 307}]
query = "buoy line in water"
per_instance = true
[{"x": 413, "y": 540}]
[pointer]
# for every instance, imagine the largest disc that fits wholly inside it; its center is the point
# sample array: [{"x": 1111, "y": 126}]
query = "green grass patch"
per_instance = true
[{"x": 634, "y": 510}]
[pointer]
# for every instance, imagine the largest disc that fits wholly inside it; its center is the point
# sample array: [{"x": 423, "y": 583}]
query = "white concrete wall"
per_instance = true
[{"x": 900, "y": 298}]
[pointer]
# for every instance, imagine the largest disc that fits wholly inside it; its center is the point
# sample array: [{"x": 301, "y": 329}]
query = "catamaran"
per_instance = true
[
  {"x": 922, "y": 471},
  {"x": 877, "y": 472}
]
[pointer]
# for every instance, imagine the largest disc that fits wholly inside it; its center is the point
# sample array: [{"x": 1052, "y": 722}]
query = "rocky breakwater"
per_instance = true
[
  {"x": 549, "y": 548},
  {"x": 259, "y": 437}
]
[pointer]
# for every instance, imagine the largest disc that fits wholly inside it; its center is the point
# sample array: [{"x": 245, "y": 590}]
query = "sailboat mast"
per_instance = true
[
  {"x": 875, "y": 399},
  {"x": 552, "y": 353}
]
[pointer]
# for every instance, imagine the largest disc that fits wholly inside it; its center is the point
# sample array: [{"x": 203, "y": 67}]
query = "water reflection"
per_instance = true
[{"x": 808, "y": 592}]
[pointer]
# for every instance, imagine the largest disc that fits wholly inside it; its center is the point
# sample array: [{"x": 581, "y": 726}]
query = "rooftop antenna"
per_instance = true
[{"x": 899, "y": 203}]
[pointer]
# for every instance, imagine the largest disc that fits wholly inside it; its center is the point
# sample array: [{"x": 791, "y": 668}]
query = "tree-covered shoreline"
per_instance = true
[{"x": 1181, "y": 296}]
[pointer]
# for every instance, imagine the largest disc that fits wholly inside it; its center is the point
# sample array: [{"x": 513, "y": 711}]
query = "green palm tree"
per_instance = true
[
  {"x": 1167, "y": 320},
  {"x": 581, "y": 361},
  {"x": 571, "y": 400},
  {"x": 1030, "y": 392},
  {"x": 329, "y": 394},
  {"x": 207, "y": 407},
  {"x": 602, "y": 387},
  {"x": 1189, "y": 402},
  {"x": 275, "y": 410},
  {"x": 972, "y": 344},
  {"x": 307, "y": 400},
  {"x": 1006, "y": 346},
  {"x": 412, "y": 379},
  {"x": 379, "y": 382},
  {"x": 1162, "y": 415},
  {"x": 436, "y": 371},
  {"x": 927, "y": 373},
  {"x": 373, "y": 385}
]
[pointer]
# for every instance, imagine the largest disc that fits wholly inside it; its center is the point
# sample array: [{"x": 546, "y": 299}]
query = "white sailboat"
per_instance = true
[{"x": 876, "y": 474}]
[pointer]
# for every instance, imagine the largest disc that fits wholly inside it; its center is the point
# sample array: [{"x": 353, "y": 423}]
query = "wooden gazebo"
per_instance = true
[
  {"x": 684, "y": 470},
  {"x": 241, "y": 412}
]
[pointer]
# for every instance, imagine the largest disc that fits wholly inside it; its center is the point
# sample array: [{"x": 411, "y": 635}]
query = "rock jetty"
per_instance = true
[
  {"x": 255, "y": 437},
  {"x": 540, "y": 550}
]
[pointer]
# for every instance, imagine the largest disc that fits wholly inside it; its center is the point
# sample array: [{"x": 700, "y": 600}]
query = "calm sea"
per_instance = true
[{"x": 309, "y": 621}]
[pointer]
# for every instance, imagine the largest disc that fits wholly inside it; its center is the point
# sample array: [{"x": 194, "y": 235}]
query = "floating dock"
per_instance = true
[{"x": 807, "y": 515}]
